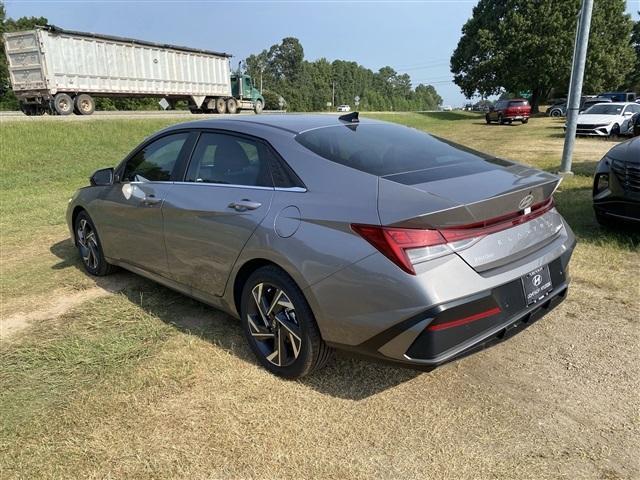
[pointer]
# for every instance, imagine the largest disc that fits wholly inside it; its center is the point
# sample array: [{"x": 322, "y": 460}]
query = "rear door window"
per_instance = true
[
  {"x": 230, "y": 160},
  {"x": 518, "y": 103}
]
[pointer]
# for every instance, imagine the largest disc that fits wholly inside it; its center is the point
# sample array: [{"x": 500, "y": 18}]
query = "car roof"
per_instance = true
[{"x": 291, "y": 122}]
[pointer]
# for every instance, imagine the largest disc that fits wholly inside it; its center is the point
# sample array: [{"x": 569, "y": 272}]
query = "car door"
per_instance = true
[
  {"x": 128, "y": 214},
  {"x": 627, "y": 115},
  {"x": 208, "y": 217}
]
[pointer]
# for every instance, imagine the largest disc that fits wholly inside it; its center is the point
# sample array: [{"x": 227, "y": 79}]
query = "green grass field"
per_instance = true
[{"x": 119, "y": 377}]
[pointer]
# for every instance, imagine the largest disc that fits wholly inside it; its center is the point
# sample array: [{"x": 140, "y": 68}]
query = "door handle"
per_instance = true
[
  {"x": 150, "y": 200},
  {"x": 244, "y": 205}
]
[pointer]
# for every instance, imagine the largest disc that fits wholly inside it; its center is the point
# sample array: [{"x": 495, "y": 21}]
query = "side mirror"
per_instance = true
[
  {"x": 627, "y": 114},
  {"x": 102, "y": 177}
]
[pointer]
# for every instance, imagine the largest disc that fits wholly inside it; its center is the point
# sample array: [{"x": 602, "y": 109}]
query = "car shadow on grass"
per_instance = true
[{"x": 344, "y": 377}]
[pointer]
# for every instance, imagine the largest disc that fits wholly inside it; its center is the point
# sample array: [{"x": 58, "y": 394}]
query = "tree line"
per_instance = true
[
  {"x": 526, "y": 46},
  {"x": 305, "y": 85}
]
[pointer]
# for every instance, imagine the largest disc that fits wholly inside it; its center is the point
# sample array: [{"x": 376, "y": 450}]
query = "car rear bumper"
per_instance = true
[{"x": 374, "y": 309}]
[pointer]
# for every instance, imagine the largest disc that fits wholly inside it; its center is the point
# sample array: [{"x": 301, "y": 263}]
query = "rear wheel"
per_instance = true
[
  {"x": 232, "y": 105},
  {"x": 487, "y": 118},
  {"x": 279, "y": 325},
  {"x": 89, "y": 246},
  {"x": 555, "y": 113},
  {"x": 221, "y": 105},
  {"x": 525, "y": 120},
  {"x": 500, "y": 120},
  {"x": 63, "y": 104},
  {"x": 84, "y": 104}
]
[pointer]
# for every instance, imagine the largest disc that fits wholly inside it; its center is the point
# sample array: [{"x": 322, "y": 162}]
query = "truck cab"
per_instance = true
[{"x": 248, "y": 96}]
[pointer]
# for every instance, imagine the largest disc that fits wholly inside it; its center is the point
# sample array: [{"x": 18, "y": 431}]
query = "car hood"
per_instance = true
[
  {"x": 628, "y": 151},
  {"x": 598, "y": 119}
]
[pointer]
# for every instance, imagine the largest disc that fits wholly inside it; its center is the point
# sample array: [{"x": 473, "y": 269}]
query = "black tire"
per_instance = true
[
  {"x": 555, "y": 113},
  {"x": 615, "y": 132},
  {"x": 89, "y": 246},
  {"x": 63, "y": 104},
  {"x": 84, "y": 104},
  {"x": 221, "y": 105},
  {"x": 487, "y": 118},
  {"x": 273, "y": 338},
  {"x": 232, "y": 105},
  {"x": 500, "y": 120},
  {"x": 525, "y": 120},
  {"x": 258, "y": 107}
]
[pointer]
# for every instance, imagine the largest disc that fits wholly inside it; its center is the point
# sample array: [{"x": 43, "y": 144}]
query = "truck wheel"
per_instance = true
[
  {"x": 221, "y": 106},
  {"x": 232, "y": 105},
  {"x": 85, "y": 105},
  {"x": 258, "y": 107},
  {"x": 63, "y": 104}
]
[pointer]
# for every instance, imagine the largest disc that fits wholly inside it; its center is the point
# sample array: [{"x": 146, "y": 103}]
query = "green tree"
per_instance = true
[
  {"x": 517, "y": 45},
  {"x": 633, "y": 81}
]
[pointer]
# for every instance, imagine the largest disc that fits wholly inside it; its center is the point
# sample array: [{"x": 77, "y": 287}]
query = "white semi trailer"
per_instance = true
[{"x": 62, "y": 71}]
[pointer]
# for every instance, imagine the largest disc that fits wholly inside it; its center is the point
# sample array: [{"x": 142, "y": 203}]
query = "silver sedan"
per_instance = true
[{"x": 322, "y": 232}]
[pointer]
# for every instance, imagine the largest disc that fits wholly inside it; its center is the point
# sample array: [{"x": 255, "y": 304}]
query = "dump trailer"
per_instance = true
[{"x": 61, "y": 72}]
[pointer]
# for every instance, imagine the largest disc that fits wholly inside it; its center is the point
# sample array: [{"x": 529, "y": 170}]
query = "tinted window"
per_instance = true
[
  {"x": 382, "y": 149},
  {"x": 225, "y": 159},
  {"x": 605, "y": 109},
  {"x": 518, "y": 103},
  {"x": 501, "y": 104},
  {"x": 155, "y": 162}
]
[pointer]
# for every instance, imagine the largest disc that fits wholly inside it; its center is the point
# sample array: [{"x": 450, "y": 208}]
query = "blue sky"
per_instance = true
[{"x": 414, "y": 37}]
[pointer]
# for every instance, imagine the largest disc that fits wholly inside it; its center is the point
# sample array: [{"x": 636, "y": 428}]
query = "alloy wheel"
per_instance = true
[
  {"x": 273, "y": 325},
  {"x": 88, "y": 244}
]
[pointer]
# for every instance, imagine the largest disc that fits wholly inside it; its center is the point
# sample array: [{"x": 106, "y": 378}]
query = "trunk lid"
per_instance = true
[{"x": 474, "y": 195}]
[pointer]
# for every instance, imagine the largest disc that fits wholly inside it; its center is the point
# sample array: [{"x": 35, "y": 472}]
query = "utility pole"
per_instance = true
[
  {"x": 575, "y": 88},
  {"x": 333, "y": 94}
]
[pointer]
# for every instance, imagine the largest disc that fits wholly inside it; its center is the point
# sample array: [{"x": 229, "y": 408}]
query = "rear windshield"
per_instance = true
[
  {"x": 518, "y": 103},
  {"x": 387, "y": 149}
]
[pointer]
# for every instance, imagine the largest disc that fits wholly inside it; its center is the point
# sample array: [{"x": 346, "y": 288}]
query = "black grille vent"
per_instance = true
[{"x": 628, "y": 174}]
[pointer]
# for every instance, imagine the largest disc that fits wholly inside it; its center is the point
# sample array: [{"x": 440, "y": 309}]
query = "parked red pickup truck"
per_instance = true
[{"x": 506, "y": 111}]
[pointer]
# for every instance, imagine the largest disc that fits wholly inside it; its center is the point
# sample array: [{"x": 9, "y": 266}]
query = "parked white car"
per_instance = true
[
  {"x": 344, "y": 108},
  {"x": 607, "y": 119}
]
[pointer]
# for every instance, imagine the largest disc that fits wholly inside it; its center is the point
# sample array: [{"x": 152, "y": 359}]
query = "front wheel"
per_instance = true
[
  {"x": 257, "y": 107},
  {"x": 89, "y": 246},
  {"x": 615, "y": 132},
  {"x": 279, "y": 325}
]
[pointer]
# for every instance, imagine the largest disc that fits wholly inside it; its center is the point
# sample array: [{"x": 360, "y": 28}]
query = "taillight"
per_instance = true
[{"x": 407, "y": 247}]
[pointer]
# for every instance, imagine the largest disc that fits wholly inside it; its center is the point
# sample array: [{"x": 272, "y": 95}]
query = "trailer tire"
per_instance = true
[
  {"x": 258, "y": 106},
  {"x": 221, "y": 105},
  {"x": 232, "y": 105},
  {"x": 63, "y": 104},
  {"x": 84, "y": 104}
]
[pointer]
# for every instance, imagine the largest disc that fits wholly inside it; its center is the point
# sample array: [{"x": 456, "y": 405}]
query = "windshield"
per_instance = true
[
  {"x": 604, "y": 109},
  {"x": 387, "y": 149}
]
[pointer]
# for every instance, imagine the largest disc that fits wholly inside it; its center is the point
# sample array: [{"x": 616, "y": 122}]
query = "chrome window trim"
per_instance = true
[{"x": 253, "y": 187}]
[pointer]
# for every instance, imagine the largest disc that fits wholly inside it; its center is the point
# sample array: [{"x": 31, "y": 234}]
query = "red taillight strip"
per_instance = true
[
  {"x": 465, "y": 320},
  {"x": 496, "y": 224}
]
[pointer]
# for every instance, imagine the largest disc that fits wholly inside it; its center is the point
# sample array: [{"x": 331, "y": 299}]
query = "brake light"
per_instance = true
[
  {"x": 463, "y": 321},
  {"x": 408, "y": 246}
]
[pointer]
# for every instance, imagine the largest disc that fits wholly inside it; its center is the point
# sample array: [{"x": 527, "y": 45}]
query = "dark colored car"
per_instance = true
[
  {"x": 590, "y": 102},
  {"x": 619, "y": 96},
  {"x": 635, "y": 125},
  {"x": 616, "y": 186},
  {"x": 506, "y": 111}
]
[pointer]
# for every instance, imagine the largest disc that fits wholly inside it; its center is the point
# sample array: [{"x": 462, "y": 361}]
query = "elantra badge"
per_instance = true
[{"x": 526, "y": 202}]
